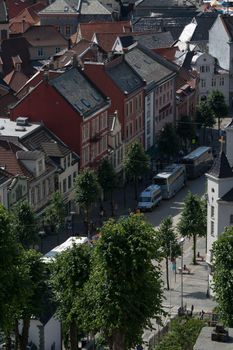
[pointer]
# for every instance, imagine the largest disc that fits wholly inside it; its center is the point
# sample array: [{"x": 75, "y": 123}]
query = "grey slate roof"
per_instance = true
[
  {"x": 147, "y": 65},
  {"x": 143, "y": 24},
  {"x": 155, "y": 40},
  {"x": 204, "y": 22},
  {"x": 228, "y": 21},
  {"x": 221, "y": 167},
  {"x": 125, "y": 77},
  {"x": 3, "y": 12},
  {"x": 62, "y": 7},
  {"x": 29, "y": 155},
  {"x": 228, "y": 197},
  {"x": 93, "y": 7},
  {"x": 79, "y": 92}
]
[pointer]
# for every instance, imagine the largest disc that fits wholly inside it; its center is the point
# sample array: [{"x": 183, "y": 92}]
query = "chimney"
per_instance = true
[
  {"x": 17, "y": 62},
  {"x": 46, "y": 74}
]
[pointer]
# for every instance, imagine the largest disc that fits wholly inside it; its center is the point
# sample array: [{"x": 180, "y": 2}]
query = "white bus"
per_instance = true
[
  {"x": 171, "y": 180},
  {"x": 69, "y": 243},
  {"x": 198, "y": 161},
  {"x": 150, "y": 197}
]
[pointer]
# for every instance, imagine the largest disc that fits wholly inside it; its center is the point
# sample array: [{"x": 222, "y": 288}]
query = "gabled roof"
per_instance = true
[
  {"x": 65, "y": 7},
  {"x": 221, "y": 167},
  {"x": 13, "y": 47},
  {"x": 15, "y": 7},
  {"x": 228, "y": 24},
  {"x": 79, "y": 92},
  {"x": 26, "y": 18},
  {"x": 147, "y": 65},
  {"x": 106, "y": 40},
  {"x": 125, "y": 77},
  {"x": 93, "y": 7},
  {"x": 3, "y": 12},
  {"x": 9, "y": 161},
  {"x": 44, "y": 35},
  {"x": 16, "y": 80},
  {"x": 29, "y": 155},
  {"x": 228, "y": 197},
  {"x": 154, "y": 40},
  {"x": 88, "y": 29}
]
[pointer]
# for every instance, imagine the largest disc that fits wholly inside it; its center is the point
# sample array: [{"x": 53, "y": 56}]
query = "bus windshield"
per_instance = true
[
  {"x": 145, "y": 199},
  {"x": 160, "y": 181}
]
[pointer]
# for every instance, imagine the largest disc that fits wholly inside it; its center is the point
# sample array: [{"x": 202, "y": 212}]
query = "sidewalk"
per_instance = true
[{"x": 194, "y": 291}]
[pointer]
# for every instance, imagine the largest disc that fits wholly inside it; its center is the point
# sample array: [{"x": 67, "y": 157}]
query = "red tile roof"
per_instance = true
[
  {"x": 26, "y": 18},
  {"x": 44, "y": 35},
  {"x": 9, "y": 161},
  {"x": 106, "y": 40},
  {"x": 15, "y": 80},
  {"x": 88, "y": 29},
  {"x": 168, "y": 52},
  {"x": 14, "y": 7}
]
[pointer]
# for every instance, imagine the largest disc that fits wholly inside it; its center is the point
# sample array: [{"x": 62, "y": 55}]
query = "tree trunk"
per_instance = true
[
  {"x": 194, "y": 249},
  {"x": 23, "y": 339},
  {"x": 112, "y": 204},
  {"x": 8, "y": 341},
  {"x": 16, "y": 335},
  {"x": 73, "y": 336},
  {"x": 167, "y": 274},
  {"x": 136, "y": 188},
  {"x": 118, "y": 340}
]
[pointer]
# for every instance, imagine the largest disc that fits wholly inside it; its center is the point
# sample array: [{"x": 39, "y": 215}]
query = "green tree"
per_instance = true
[
  {"x": 8, "y": 261},
  {"x": 218, "y": 105},
  {"x": 185, "y": 130},
  {"x": 136, "y": 164},
  {"x": 193, "y": 220},
  {"x": 167, "y": 239},
  {"x": 205, "y": 117},
  {"x": 182, "y": 335},
  {"x": 125, "y": 289},
  {"x": 168, "y": 142},
  {"x": 108, "y": 179},
  {"x": 87, "y": 190},
  {"x": 32, "y": 288},
  {"x": 55, "y": 214},
  {"x": 25, "y": 225},
  {"x": 222, "y": 277},
  {"x": 70, "y": 271}
]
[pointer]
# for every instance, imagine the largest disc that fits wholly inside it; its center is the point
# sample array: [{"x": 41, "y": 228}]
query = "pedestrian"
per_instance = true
[{"x": 192, "y": 308}]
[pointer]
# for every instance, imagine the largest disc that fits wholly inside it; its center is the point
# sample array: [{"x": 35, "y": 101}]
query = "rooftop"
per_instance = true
[
  {"x": 221, "y": 167},
  {"x": 93, "y": 7},
  {"x": 79, "y": 92},
  {"x": 88, "y": 29},
  {"x": 10, "y": 128},
  {"x": 3, "y": 12},
  {"x": 62, "y": 7},
  {"x": 44, "y": 35}
]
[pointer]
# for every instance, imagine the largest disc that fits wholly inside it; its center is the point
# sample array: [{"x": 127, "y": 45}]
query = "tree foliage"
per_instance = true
[
  {"x": 193, "y": 220},
  {"x": 218, "y": 105},
  {"x": 222, "y": 277},
  {"x": 87, "y": 191},
  {"x": 185, "y": 130},
  {"x": 136, "y": 164},
  {"x": 167, "y": 239},
  {"x": 168, "y": 142},
  {"x": 55, "y": 213},
  {"x": 204, "y": 115},
  {"x": 25, "y": 225},
  {"x": 182, "y": 335},
  {"x": 69, "y": 273},
  {"x": 125, "y": 289}
]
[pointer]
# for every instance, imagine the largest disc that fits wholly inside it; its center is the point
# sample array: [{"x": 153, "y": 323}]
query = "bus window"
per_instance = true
[{"x": 160, "y": 181}]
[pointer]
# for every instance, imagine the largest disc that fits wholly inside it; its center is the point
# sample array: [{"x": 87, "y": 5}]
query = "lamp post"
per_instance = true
[
  {"x": 41, "y": 234},
  {"x": 181, "y": 275}
]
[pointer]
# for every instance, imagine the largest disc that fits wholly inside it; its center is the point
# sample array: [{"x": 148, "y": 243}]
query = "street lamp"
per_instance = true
[
  {"x": 41, "y": 234},
  {"x": 181, "y": 276}
]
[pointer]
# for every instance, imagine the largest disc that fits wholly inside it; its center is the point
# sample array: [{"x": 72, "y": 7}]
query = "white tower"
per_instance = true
[{"x": 220, "y": 203}]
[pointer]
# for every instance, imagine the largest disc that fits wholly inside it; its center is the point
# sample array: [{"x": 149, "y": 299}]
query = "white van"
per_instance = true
[{"x": 150, "y": 197}]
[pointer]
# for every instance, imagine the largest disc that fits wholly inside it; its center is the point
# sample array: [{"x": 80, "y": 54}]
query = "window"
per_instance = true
[
  {"x": 212, "y": 228},
  {"x": 85, "y": 135},
  {"x": 203, "y": 83},
  {"x": 3, "y": 34},
  {"x": 212, "y": 211},
  {"x": 38, "y": 193},
  {"x": 57, "y": 49},
  {"x": 64, "y": 162},
  {"x": 43, "y": 189},
  {"x": 86, "y": 155},
  {"x": 69, "y": 160},
  {"x": 212, "y": 190},
  {"x": 213, "y": 82},
  {"x": 231, "y": 219},
  {"x": 221, "y": 81},
  {"x": 64, "y": 186},
  {"x": 148, "y": 127},
  {"x": 40, "y": 52},
  {"x": 95, "y": 126},
  {"x": 69, "y": 182},
  {"x": 127, "y": 109},
  {"x": 74, "y": 176},
  {"x": 130, "y": 107},
  {"x": 67, "y": 30},
  {"x": 40, "y": 166}
]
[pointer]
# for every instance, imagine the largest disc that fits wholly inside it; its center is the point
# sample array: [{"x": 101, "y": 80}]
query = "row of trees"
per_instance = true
[{"x": 173, "y": 138}]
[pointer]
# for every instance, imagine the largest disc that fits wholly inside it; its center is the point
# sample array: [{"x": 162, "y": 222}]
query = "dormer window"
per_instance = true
[{"x": 40, "y": 166}]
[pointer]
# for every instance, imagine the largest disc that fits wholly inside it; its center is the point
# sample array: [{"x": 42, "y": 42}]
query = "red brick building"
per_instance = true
[
  {"x": 74, "y": 109},
  {"x": 125, "y": 88}
]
